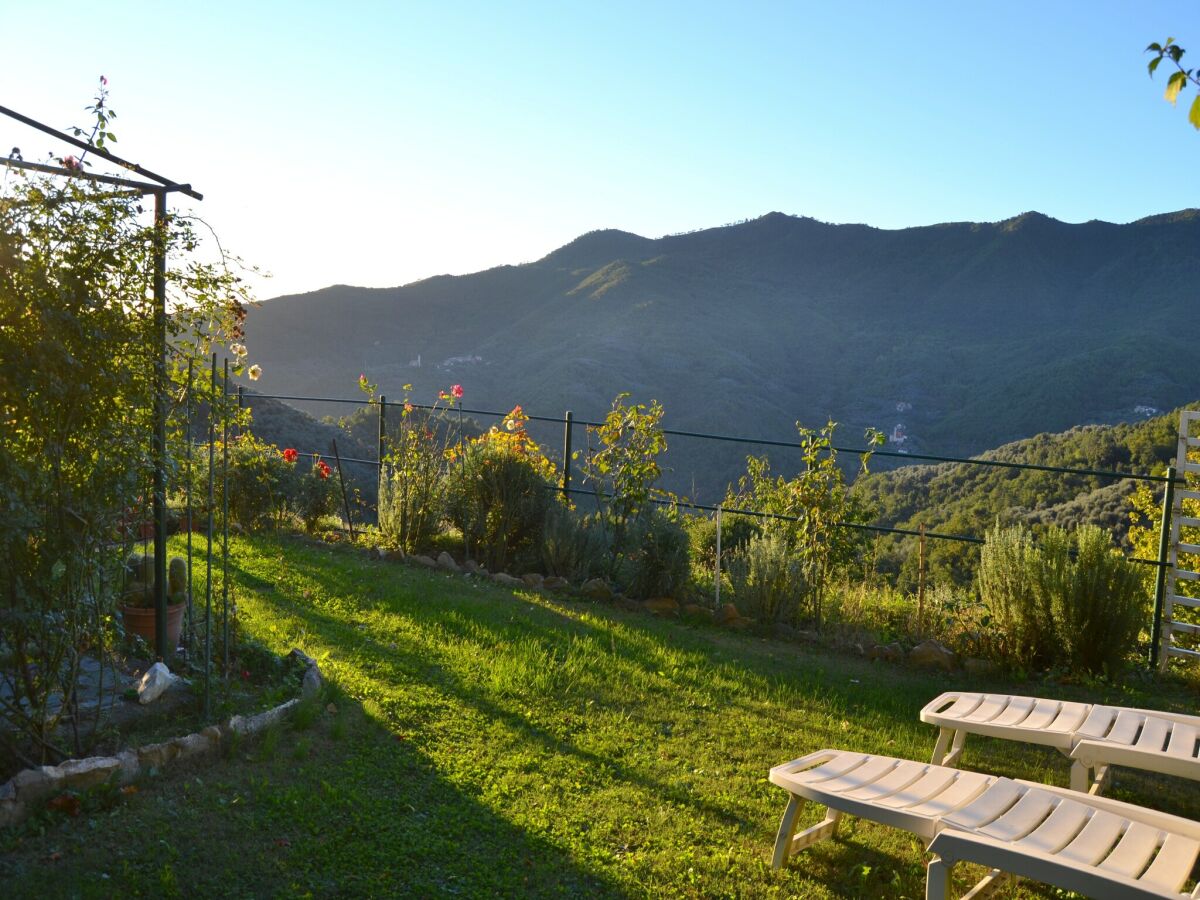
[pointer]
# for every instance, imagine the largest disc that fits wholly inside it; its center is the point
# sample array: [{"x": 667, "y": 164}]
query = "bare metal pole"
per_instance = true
[
  {"x": 159, "y": 442},
  {"x": 208, "y": 591},
  {"x": 187, "y": 487},
  {"x": 225, "y": 521}
]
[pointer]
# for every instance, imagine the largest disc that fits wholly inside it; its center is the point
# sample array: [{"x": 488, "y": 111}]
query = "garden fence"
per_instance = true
[{"x": 569, "y": 423}]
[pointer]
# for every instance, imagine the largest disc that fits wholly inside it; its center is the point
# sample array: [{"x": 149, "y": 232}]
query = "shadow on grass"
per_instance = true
[{"x": 344, "y": 808}]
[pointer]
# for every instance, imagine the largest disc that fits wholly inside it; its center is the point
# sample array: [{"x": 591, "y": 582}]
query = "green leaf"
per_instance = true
[
  {"x": 1194, "y": 113},
  {"x": 1155, "y": 47},
  {"x": 1174, "y": 85},
  {"x": 1154, "y": 64}
]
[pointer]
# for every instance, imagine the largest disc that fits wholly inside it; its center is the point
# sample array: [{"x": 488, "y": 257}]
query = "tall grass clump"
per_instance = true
[
  {"x": 768, "y": 580},
  {"x": 573, "y": 546}
]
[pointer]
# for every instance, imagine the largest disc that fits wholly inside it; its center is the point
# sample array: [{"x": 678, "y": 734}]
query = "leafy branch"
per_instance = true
[{"x": 1179, "y": 79}]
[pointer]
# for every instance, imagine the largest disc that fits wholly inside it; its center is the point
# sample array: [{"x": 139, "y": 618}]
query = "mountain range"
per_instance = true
[{"x": 952, "y": 338}]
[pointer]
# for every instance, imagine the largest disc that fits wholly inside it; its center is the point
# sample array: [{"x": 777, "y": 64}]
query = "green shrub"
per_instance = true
[
  {"x": 313, "y": 493},
  {"x": 810, "y": 511},
  {"x": 1096, "y": 596},
  {"x": 1012, "y": 582},
  {"x": 768, "y": 580},
  {"x": 736, "y": 533},
  {"x": 654, "y": 560},
  {"x": 499, "y": 494},
  {"x": 258, "y": 482},
  {"x": 573, "y": 546},
  {"x": 1072, "y": 601}
]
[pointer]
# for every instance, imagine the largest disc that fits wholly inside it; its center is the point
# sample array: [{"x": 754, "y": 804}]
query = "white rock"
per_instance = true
[{"x": 156, "y": 680}]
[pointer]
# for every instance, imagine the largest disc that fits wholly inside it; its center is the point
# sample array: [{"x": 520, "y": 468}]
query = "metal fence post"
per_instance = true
[
  {"x": 566, "y": 478},
  {"x": 225, "y": 521},
  {"x": 382, "y": 427},
  {"x": 717, "y": 573},
  {"x": 1164, "y": 552}
]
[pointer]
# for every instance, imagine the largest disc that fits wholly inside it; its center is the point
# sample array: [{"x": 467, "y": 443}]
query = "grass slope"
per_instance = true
[{"x": 490, "y": 743}]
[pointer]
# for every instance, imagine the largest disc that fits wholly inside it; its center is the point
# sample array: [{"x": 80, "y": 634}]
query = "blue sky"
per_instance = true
[{"x": 379, "y": 143}]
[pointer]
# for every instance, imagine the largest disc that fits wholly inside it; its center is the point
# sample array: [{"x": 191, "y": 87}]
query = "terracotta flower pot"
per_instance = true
[{"x": 140, "y": 621}]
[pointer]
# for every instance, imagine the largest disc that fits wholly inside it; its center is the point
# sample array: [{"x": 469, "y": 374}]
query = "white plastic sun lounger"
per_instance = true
[
  {"x": 1095, "y": 737},
  {"x": 1100, "y": 847}
]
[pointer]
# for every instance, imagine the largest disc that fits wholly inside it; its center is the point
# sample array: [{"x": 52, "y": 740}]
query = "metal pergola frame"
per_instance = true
[{"x": 160, "y": 187}]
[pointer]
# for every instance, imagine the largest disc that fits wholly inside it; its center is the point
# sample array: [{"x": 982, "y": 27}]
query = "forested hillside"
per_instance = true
[
  {"x": 965, "y": 335},
  {"x": 967, "y": 499}
]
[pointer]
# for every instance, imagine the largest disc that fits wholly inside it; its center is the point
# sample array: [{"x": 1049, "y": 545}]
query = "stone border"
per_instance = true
[{"x": 26, "y": 790}]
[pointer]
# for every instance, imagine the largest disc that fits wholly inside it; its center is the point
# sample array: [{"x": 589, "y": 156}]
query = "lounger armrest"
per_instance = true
[
  {"x": 938, "y": 704},
  {"x": 812, "y": 760},
  {"x": 955, "y": 846},
  {"x": 1093, "y": 753}
]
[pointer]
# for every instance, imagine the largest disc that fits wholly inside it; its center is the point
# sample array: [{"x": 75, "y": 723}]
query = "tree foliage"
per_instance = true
[{"x": 79, "y": 343}]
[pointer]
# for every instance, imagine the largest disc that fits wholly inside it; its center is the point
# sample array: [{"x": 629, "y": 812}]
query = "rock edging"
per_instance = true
[{"x": 22, "y": 793}]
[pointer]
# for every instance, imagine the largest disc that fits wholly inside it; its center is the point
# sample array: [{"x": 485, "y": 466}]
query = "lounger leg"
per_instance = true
[
  {"x": 1100, "y": 785},
  {"x": 1080, "y": 776},
  {"x": 942, "y": 745},
  {"x": 788, "y": 842},
  {"x": 956, "y": 749},
  {"x": 787, "y": 828},
  {"x": 937, "y": 880},
  {"x": 988, "y": 885}
]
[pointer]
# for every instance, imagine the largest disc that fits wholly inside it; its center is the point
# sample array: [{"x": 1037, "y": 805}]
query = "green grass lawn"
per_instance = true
[{"x": 492, "y": 743}]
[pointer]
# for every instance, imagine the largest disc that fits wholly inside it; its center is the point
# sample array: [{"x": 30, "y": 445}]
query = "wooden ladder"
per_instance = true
[{"x": 1182, "y": 596}]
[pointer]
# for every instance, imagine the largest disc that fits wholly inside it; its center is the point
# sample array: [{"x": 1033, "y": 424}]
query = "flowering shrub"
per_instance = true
[
  {"x": 500, "y": 491},
  {"x": 314, "y": 495},
  {"x": 411, "y": 485}
]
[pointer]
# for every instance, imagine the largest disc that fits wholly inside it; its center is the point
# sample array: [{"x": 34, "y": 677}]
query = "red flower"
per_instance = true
[
  {"x": 457, "y": 391},
  {"x": 323, "y": 469},
  {"x": 290, "y": 454}
]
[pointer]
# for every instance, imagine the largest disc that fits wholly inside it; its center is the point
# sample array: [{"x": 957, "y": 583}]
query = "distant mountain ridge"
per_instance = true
[{"x": 968, "y": 335}]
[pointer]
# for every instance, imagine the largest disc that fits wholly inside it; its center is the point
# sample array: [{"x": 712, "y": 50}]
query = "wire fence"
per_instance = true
[{"x": 569, "y": 423}]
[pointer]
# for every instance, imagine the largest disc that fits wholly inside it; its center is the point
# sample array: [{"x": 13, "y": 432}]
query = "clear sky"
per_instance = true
[{"x": 378, "y": 143}]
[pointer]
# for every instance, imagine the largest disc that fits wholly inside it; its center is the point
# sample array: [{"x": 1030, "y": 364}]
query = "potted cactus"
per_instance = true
[{"x": 137, "y": 608}]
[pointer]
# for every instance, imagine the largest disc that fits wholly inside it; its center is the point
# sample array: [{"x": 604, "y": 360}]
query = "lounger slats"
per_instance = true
[
  {"x": 1132, "y": 853},
  {"x": 1183, "y": 741},
  {"x": 1016, "y": 712},
  {"x": 1098, "y": 723},
  {"x": 1070, "y": 717},
  {"x": 990, "y": 708},
  {"x": 1092, "y": 844},
  {"x": 1044, "y": 712},
  {"x": 962, "y": 706},
  {"x": 1154, "y": 734},
  {"x": 1025, "y": 816},
  {"x": 868, "y": 773},
  {"x": 896, "y": 780},
  {"x": 994, "y": 802},
  {"x": 1096, "y": 839},
  {"x": 935, "y": 780},
  {"x": 1173, "y": 865},
  {"x": 962, "y": 791},
  {"x": 1125, "y": 728},
  {"x": 1059, "y": 828}
]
